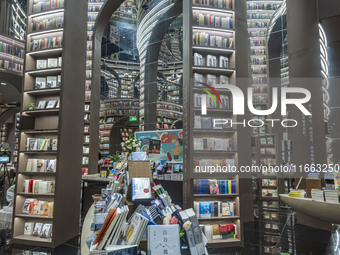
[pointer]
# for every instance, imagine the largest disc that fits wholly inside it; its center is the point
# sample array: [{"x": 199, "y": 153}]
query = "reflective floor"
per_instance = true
[{"x": 287, "y": 237}]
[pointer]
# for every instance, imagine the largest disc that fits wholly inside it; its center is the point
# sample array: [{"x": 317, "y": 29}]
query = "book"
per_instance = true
[
  {"x": 58, "y": 81},
  {"x": 196, "y": 231},
  {"x": 41, "y": 64},
  {"x": 204, "y": 209},
  {"x": 37, "y": 229},
  {"x": 51, "y": 104},
  {"x": 46, "y": 231},
  {"x": 136, "y": 228},
  {"x": 51, "y": 82},
  {"x": 52, "y": 62},
  {"x": 206, "y": 122},
  {"x": 163, "y": 239},
  {"x": 40, "y": 82},
  {"x": 216, "y": 234},
  {"x": 121, "y": 249},
  {"x": 189, "y": 234},
  {"x": 141, "y": 188},
  {"x": 41, "y": 104},
  {"x": 211, "y": 80},
  {"x": 29, "y": 227},
  {"x": 198, "y": 59},
  {"x": 224, "y": 62},
  {"x": 211, "y": 61}
]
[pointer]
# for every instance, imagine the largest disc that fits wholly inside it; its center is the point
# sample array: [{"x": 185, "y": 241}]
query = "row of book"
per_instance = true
[
  {"x": 211, "y": 40},
  {"x": 211, "y": 61},
  {"x": 85, "y": 160},
  {"x": 214, "y": 187},
  {"x": 120, "y": 104},
  {"x": 48, "y": 82},
  {"x": 259, "y": 33},
  {"x": 170, "y": 107},
  {"x": 42, "y": 230},
  {"x": 169, "y": 114},
  {"x": 46, "y": 43},
  {"x": 267, "y": 151},
  {"x": 201, "y": 122},
  {"x": 87, "y": 95},
  {"x": 260, "y": 99},
  {"x": 48, "y": 23},
  {"x": 221, "y": 231},
  {"x": 41, "y": 165},
  {"x": 211, "y": 101},
  {"x": 118, "y": 112},
  {"x": 259, "y": 80},
  {"x": 94, "y": 8},
  {"x": 212, "y": 20},
  {"x": 90, "y": 27},
  {"x": 210, "y": 79},
  {"x": 268, "y": 161},
  {"x": 258, "y": 70},
  {"x": 259, "y": 90},
  {"x": 33, "y": 206},
  {"x": 164, "y": 120},
  {"x": 169, "y": 177},
  {"x": 10, "y": 49},
  {"x": 49, "y": 63},
  {"x": 258, "y": 60},
  {"x": 92, "y": 17},
  {"x": 223, "y": 4},
  {"x": 263, "y": 6},
  {"x": 267, "y": 140},
  {"x": 214, "y": 144},
  {"x": 214, "y": 209},
  {"x": 47, "y": 5},
  {"x": 258, "y": 24},
  {"x": 11, "y": 65},
  {"x": 38, "y": 186},
  {"x": 258, "y": 52},
  {"x": 270, "y": 216},
  {"x": 259, "y": 16},
  {"x": 41, "y": 144},
  {"x": 257, "y": 42}
]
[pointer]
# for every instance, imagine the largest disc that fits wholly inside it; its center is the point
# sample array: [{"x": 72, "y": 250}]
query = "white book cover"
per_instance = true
[
  {"x": 198, "y": 78},
  {"x": 211, "y": 61},
  {"x": 41, "y": 64},
  {"x": 198, "y": 59},
  {"x": 52, "y": 62},
  {"x": 29, "y": 227},
  {"x": 60, "y": 60},
  {"x": 197, "y": 122},
  {"x": 41, "y": 104},
  {"x": 198, "y": 144},
  {"x": 218, "y": 144},
  {"x": 163, "y": 239},
  {"x": 51, "y": 104},
  {"x": 211, "y": 80},
  {"x": 224, "y": 80}
]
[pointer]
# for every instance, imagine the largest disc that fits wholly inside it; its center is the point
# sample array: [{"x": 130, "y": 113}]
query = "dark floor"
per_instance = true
[{"x": 292, "y": 239}]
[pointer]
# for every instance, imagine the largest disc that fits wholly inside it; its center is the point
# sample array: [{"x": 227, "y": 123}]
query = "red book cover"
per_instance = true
[{"x": 30, "y": 186}]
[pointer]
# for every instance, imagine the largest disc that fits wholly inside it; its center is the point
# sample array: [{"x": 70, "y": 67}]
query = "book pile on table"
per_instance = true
[
  {"x": 317, "y": 195},
  {"x": 160, "y": 222},
  {"x": 332, "y": 196}
]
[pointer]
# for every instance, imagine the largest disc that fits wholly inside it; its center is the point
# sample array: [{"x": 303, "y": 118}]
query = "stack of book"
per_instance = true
[
  {"x": 220, "y": 231},
  {"x": 317, "y": 195},
  {"x": 33, "y": 206},
  {"x": 332, "y": 196}
]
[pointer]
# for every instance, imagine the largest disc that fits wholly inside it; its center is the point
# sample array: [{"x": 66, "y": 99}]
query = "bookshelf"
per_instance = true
[
  {"x": 50, "y": 148},
  {"x": 18, "y": 20},
  {"x": 92, "y": 100},
  {"x": 12, "y": 53},
  {"x": 213, "y": 54}
]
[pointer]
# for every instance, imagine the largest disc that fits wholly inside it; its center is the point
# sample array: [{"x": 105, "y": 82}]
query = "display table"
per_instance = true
[
  {"x": 313, "y": 213},
  {"x": 86, "y": 231}
]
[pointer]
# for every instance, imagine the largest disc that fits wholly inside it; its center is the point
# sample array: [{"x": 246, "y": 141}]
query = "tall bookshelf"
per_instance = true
[
  {"x": 18, "y": 21},
  {"x": 220, "y": 39},
  {"x": 60, "y": 125}
]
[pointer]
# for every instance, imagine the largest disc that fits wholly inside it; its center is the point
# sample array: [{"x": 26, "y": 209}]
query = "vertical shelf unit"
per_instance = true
[
  {"x": 204, "y": 144},
  {"x": 18, "y": 21},
  {"x": 90, "y": 154},
  {"x": 12, "y": 53},
  {"x": 52, "y": 30}
]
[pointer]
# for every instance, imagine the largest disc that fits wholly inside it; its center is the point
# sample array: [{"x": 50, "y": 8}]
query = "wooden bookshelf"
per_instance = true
[
  {"x": 64, "y": 123},
  {"x": 236, "y": 52}
]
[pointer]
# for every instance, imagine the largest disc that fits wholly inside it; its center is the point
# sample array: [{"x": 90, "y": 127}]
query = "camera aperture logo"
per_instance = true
[{"x": 238, "y": 105}]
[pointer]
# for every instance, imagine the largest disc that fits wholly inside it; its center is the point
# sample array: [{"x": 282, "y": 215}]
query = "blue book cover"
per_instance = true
[{"x": 205, "y": 209}]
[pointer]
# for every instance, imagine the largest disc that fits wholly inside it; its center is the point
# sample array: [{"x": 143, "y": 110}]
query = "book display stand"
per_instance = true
[
  {"x": 47, "y": 196},
  {"x": 214, "y": 47}
]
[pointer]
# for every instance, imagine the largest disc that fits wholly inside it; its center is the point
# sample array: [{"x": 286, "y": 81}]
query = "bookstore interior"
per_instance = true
[{"x": 174, "y": 126}]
